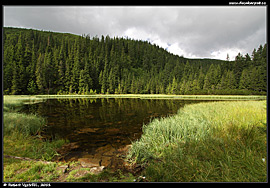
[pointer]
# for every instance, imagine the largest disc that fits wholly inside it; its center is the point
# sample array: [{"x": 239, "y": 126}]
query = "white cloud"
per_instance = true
[
  {"x": 136, "y": 34},
  {"x": 175, "y": 49},
  {"x": 160, "y": 43},
  {"x": 222, "y": 54}
]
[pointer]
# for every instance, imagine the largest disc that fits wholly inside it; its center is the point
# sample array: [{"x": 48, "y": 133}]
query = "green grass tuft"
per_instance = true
[
  {"x": 206, "y": 142},
  {"x": 27, "y": 124}
]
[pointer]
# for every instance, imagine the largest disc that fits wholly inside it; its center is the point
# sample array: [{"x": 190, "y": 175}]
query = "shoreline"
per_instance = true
[
  {"x": 17, "y": 170},
  {"x": 37, "y": 98}
]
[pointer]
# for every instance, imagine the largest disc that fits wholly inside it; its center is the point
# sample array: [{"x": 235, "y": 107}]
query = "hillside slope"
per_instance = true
[{"x": 41, "y": 62}]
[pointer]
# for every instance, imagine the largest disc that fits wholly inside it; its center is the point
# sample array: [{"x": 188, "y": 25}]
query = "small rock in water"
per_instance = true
[{"x": 89, "y": 162}]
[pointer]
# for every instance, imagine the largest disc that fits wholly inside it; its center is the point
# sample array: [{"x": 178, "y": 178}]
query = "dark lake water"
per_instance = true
[{"x": 93, "y": 126}]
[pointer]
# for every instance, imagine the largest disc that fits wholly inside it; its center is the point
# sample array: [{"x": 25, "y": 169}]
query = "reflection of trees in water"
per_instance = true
[
  {"x": 97, "y": 123},
  {"x": 134, "y": 108},
  {"x": 107, "y": 108},
  {"x": 66, "y": 116}
]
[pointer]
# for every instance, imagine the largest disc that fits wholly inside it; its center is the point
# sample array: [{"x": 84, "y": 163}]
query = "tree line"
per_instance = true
[{"x": 42, "y": 62}]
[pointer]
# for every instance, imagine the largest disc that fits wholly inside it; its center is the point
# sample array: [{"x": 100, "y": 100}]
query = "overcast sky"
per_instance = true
[{"x": 194, "y": 32}]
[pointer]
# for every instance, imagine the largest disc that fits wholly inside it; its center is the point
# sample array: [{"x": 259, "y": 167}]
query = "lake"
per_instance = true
[{"x": 97, "y": 128}]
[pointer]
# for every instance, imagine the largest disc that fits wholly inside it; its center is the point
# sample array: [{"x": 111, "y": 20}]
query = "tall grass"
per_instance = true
[
  {"x": 27, "y": 124},
  {"x": 216, "y": 142}
]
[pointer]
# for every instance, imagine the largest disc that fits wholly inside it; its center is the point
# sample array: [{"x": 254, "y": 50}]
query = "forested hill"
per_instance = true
[{"x": 39, "y": 62}]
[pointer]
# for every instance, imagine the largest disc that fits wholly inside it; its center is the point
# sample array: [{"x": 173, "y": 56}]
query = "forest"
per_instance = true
[{"x": 43, "y": 62}]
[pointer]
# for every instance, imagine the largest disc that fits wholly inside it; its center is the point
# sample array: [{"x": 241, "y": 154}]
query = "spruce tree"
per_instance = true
[{"x": 39, "y": 62}]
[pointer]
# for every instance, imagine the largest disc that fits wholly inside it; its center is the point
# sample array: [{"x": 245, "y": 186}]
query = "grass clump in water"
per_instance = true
[{"x": 206, "y": 142}]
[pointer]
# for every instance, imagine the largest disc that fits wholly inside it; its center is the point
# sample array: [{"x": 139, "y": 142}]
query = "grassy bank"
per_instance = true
[
  {"x": 22, "y": 139},
  {"x": 206, "y": 142},
  {"x": 160, "y": 96}
]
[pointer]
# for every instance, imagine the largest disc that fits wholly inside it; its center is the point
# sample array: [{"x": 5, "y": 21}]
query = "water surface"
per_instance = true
[{"x": 98, "y": 127}]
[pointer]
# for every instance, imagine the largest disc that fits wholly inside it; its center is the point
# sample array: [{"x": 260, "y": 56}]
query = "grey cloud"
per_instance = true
[{"x": 196, "y": 30}]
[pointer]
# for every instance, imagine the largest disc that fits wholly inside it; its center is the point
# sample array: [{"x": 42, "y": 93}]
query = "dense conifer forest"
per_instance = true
[{"x": 41, "y": 62}]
